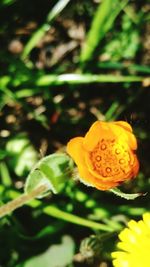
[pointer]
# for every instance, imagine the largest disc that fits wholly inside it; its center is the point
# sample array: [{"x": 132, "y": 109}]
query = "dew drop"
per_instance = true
[
  {"x": 121, "y": 161},
  {"x": 117, "y": 151},
  {"x": 98, "y": 158},
  {"x": 103, "y": 147},
  {"x": 108, "y": 169}
]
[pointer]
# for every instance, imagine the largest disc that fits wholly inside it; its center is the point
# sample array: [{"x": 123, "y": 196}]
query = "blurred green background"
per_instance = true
[{"x": 63, "y": 65}]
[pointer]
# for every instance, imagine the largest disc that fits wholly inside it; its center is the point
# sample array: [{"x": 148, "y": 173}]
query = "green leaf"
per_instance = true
[
  {"x": 35, "y": 179},
  {"x": 3, "y": 154},
  {"x": 53, "y": 170},
  {"x": 22, "y": 155},
  {"x": 118, "y": 192},
  {"x": 37, "y": 36},
  {"x": 5, "y": 175},
  {"x": 45, "y": 232},
  {"x": 57, "y": 255},
  {"x": 102, "y": 22}
]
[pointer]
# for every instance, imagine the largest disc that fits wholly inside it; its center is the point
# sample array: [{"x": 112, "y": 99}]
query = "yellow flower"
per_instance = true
[
  {"x": 105, "y": 157},
  {"x": 134, "y": 245}
]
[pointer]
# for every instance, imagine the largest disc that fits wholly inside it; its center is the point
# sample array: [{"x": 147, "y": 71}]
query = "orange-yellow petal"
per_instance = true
[
  {"x": 124, "y": 125},
  {"x": 129, "y": 135},
  {"x": 98, "y": 131},
  {"x": 136, "y": 166},
  {"x": 131, "y": 141},
  {"x": 89, "y": 179},
  {"x": 105, "y": 185},
  {"x": 75, "y": 149},
  {"x": 105, "y": 156}
]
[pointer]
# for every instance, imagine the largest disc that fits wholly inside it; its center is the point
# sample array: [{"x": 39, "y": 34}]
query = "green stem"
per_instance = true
[
  {"x": 55, "y": 212},
  {"x": 52, "y": 211},
  {"x": 21, "y": 200}
]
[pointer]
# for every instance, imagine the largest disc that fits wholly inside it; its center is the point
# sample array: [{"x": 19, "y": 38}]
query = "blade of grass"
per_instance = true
[
  {"x": 102, "y": 22},
  {"x": 116, "y": 109},
  {"x": 120, "y": 66},
  {"x": 48, "y": 80},
  {"x": 112, "y": 110},
  {"x": 36, "y": 37},
  {"x": 6, "y": 2},
  {"x": 26, "y": 93}
]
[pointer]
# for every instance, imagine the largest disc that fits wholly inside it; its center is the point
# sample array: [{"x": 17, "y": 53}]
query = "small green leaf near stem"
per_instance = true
[{"x": 118, "y": 192}]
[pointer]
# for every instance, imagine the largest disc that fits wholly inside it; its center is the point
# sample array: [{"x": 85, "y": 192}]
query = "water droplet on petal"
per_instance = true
[
  {"x": 121, "y": 161},
  {"x": 117, "y": 151},
  {"x": 103, "y": 147},
  {"x": 108, "y": 169},
  {"x": 98, "y": 158}
]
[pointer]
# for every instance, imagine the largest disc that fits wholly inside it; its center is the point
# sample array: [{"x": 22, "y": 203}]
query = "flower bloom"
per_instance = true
[
  {"x": 105, "y": 157},
  {"x": 135, "y": 244}
]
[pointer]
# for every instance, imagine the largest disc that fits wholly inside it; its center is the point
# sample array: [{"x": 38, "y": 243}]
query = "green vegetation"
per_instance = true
[{"x": 63, "y": 65}]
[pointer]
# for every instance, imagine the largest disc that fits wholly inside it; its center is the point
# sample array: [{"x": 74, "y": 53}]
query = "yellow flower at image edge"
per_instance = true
[
  {"x": 135, "y": 244},
  {"x": 105, "y": 157}
]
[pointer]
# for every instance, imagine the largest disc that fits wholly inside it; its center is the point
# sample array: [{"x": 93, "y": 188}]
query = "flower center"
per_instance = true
[{"x": 110, "y": 158}]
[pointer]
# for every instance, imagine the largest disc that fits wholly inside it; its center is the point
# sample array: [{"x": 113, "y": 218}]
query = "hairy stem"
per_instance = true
[
  {"x": 54, "y": 211},
  {"x": 21, "y": 200}
]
